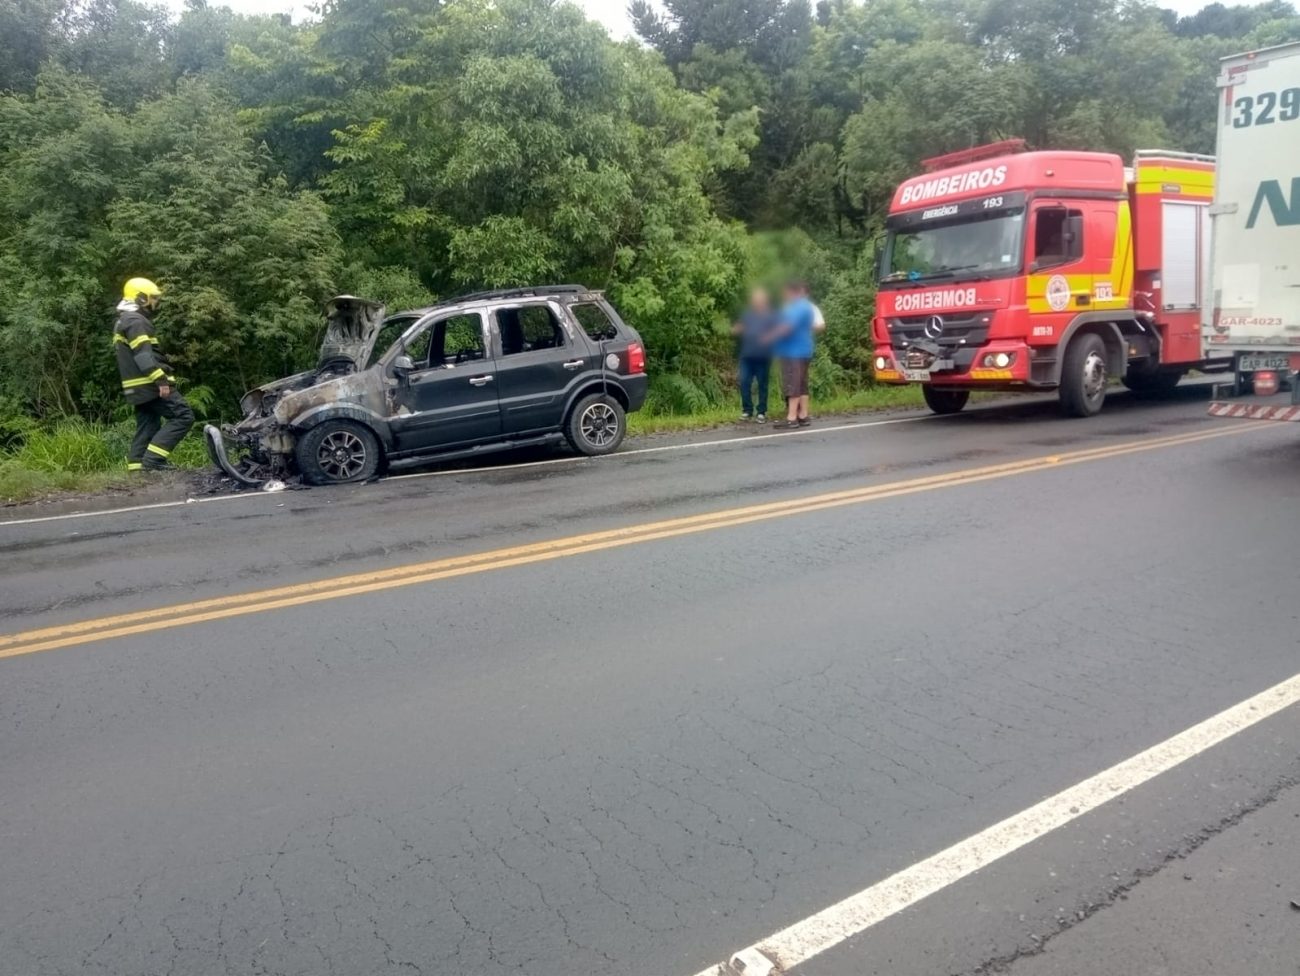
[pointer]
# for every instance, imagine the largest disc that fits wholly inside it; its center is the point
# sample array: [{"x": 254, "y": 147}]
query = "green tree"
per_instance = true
[
  {"x": 30, "y": 32},
  {"x": 542, "y": 152},
  {"x": 412, "y": 150},
  {"x": 90, "y": 196}
]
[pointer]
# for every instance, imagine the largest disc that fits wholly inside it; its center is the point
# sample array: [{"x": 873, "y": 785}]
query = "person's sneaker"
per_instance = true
[
  {"x": 761, "y": 418},
  {"x": 786, "y": 424},
  {"x": 158, "y": 464},
  {"x": 805, "y": 421},
  {"x": 744, "y": 417}
]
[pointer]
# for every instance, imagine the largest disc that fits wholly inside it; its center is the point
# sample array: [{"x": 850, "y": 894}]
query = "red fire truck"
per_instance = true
[{"x": 1004, "y": 269}]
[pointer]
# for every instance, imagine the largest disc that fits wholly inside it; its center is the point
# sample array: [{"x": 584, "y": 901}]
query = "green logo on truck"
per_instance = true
[{"x": 1285, "y": 213}]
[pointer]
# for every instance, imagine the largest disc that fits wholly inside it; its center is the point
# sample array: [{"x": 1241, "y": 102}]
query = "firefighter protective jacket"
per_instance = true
[{"x": 138, "y": 358}]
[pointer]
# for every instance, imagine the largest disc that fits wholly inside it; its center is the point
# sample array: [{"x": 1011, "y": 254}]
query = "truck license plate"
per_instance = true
[
  {"x": 916, "y": 375},
  {"x": 1253, "y": 362}
]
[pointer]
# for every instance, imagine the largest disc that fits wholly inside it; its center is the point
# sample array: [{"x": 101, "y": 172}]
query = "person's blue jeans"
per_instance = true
[{"x": 754, "y": 369}]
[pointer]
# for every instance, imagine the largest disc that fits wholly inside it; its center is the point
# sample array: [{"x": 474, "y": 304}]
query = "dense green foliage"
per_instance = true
[{"x": 406, "y": 151}]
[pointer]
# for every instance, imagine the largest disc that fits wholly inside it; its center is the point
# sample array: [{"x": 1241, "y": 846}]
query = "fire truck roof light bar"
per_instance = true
[{"x": 974, "y": 154}]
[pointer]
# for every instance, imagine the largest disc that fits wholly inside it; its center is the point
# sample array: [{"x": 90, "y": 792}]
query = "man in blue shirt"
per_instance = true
[
  {"x": 792, "y": 341},
  {"x": 755, "y": 325}
]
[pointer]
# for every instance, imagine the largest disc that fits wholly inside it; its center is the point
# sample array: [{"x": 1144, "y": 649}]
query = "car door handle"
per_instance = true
[
  {"x": 574, "y": 364},
  {"x": 480, "y": 380}
]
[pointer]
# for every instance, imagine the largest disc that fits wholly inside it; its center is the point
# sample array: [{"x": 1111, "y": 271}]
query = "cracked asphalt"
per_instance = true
[{"x": 641, "y": 759}]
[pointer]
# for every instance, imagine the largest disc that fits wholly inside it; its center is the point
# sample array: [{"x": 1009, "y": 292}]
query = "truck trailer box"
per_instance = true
[{"x": 1253, "y": 311}]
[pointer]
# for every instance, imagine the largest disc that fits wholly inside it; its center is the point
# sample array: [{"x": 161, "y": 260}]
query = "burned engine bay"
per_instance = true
[{"x": 261, "y": 446}]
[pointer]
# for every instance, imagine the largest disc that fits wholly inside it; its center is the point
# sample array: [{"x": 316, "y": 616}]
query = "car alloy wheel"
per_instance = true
[
  {"x": 599, "y": 424},
  {"x": 341, "y": 455}
]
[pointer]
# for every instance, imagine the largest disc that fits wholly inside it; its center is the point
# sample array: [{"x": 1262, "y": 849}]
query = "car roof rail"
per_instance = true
[{"x": 525, "y": 292}]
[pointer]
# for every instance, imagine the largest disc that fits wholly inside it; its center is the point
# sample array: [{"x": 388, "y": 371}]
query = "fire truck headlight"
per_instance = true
[
  {"x": 882, "y": 362},
  {"x": 997, "y": 360},
  {"x": 1002, "y": 360}
]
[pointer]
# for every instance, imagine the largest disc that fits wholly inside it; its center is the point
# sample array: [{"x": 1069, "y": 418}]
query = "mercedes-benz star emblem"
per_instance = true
[{"x": 934, "y": 327}]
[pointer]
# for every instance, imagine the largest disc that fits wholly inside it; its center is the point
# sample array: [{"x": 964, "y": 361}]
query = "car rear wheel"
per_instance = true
[
  {"x": 337, "y": 452},
  {"x": 944, "y": 401},
  {"x": 596, "y": 425}
]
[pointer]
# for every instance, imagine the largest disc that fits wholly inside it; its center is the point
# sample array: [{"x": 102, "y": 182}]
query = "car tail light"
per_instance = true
[{"x": 635, "y": 358}]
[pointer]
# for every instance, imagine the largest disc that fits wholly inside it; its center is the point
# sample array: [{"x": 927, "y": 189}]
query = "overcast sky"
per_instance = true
[{"x": 611, "y": 13}]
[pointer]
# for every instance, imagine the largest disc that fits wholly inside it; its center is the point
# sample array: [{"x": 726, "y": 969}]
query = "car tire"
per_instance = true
[
  {"x": 597, "y": 425},
  {"x": 944, "y": 401},
  {"x": 1084, "y": 376},
  {"x": 337, "y": 452}
]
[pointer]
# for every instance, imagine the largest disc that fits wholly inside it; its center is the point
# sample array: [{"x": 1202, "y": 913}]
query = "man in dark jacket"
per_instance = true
[
  {"x": 162, "y": 417},
  {"x": 755, "y": 357}
]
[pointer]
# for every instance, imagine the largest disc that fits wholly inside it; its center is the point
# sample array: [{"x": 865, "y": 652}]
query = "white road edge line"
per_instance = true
[
  {"x": 857, "y": 913},
  {"x": 482, "y": 471},
  {"x": 134, "y": 508}
]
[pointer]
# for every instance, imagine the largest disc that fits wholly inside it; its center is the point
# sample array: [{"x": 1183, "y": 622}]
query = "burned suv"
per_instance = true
[{"x": 483, "y": 372}]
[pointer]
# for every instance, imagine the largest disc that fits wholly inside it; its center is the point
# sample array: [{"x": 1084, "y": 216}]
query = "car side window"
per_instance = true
[
  {"x": 417, "y": 347},
  {"x": 527, "y": 328},
  {"x": 595, "y": 321},
  {"x": 389, "y": 333},
  {"x": 455, "y": 340}
]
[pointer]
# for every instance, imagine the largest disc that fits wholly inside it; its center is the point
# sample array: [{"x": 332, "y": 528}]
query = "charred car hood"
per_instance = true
[{"x": 352, "y": 324}]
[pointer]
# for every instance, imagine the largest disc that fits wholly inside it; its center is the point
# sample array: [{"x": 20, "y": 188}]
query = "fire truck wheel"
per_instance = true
[
  {"x": 1152, "y": 382},
  {"x": 944, "y": 401},
  {"x": 1083, "y": 376}
]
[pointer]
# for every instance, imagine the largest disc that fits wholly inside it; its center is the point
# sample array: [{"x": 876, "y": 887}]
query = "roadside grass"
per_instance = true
[
  {"x": 75, "y": 456},
  {"x": 874, "y": 398}
]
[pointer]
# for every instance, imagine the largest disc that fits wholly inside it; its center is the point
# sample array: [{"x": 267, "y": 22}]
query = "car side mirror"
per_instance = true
[{"x": 402, "y": 368}]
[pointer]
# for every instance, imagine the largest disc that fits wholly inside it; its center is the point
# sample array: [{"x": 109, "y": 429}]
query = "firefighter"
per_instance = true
[{"x": 162, "y": 417}]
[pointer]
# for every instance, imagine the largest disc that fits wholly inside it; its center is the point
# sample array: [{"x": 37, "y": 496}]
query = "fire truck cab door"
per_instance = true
[{"x": 1060, "y": 283}]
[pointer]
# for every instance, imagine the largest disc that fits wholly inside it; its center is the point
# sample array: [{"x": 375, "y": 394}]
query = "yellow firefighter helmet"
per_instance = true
[{"x": 143, "y": 292}]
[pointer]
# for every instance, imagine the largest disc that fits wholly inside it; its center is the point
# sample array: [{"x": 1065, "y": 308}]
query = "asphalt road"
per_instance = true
[{"x": 637, "y": 750}]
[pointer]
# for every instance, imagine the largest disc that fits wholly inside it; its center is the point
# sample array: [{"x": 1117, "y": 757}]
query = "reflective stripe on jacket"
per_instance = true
[{"x": 138, "y": 360}]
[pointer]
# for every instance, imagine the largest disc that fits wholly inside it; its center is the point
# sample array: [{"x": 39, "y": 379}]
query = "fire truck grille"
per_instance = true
[{"x": 955, "y": 331}]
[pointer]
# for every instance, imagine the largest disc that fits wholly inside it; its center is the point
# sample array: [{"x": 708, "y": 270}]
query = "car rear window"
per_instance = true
[
  {"x": 595, "y": 321},
  {"x": 528, "y": 328}
]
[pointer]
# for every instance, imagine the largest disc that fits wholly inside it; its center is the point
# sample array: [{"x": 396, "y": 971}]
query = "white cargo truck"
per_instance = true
[{"x": 1252, "y": 312}]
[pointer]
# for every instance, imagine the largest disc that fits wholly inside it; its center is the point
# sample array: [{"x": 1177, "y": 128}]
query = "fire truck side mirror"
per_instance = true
[
  {"x": 877, "y": 257},
  {"x": 1074, "y": 235}
]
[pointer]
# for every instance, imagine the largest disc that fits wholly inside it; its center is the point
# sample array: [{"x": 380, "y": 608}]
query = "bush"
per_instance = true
[
  {"x": 74, "y": 454},
  {"x": 74, "y": 446}
]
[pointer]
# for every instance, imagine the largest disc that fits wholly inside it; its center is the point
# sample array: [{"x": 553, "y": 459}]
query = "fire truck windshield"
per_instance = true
[{"x": 982, "y": 245}]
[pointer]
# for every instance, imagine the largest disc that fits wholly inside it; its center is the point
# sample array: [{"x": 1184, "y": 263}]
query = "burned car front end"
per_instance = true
[{"x": 261, "y": 446}]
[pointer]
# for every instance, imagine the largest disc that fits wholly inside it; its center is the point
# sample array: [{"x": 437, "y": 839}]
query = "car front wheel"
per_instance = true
[
  {"x": 337, "y": 452},
  {"x": 596, "y": 425}
]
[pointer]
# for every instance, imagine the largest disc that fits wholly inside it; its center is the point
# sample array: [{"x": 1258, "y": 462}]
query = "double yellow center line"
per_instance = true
[{"x": 260, "y": 601}]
